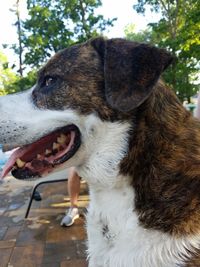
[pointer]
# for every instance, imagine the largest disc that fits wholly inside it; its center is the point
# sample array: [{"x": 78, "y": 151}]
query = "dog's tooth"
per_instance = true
[
  {"x": 20, "y": 163},
  {"x": 56, "y": 146},
  {"x": 61, "y": 139},
  {"x": 39, "y": 156},
  {"x": 47, "y": 152}
]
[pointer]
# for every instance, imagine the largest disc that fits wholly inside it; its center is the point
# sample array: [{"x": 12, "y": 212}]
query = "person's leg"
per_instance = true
[
  {"x": 73, "y": 187},
  {"x": 73, "y": 190}
]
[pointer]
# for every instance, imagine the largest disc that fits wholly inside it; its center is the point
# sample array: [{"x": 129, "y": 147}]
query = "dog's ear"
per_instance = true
[{"x": 130, "y": 70}]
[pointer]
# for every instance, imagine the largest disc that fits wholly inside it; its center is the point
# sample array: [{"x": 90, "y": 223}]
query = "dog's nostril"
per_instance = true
[{"x": 21, "y": 127}]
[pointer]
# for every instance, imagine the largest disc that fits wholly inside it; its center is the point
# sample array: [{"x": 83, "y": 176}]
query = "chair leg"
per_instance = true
[
  {"x": 35, "y": 188},
  {"x": 31, "y": 200}
]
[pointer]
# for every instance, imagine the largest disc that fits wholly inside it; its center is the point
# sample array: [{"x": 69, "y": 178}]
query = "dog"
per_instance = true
[{"x": 102, "y": 106}]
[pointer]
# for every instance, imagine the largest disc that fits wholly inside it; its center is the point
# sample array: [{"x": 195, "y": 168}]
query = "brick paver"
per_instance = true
[{"x": 39, "y": 241}]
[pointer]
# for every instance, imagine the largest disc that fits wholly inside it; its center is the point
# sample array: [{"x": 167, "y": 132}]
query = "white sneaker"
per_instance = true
[{"x": 70, "y": 217}]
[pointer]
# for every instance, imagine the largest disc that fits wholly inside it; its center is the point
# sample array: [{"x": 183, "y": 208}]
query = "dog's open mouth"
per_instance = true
[{"x": 39, "y": 158}]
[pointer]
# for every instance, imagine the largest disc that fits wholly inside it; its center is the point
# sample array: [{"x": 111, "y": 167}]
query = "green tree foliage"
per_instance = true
[
  {"x": 26, "y": 81},
  {"x": 10, "y": 82},
  {"x": 17, "y": 47},
  {"x": 141, "y": 36},
  {"x": 178, "y": 30},
  {"x": 7, "y": 77},
  {"x": 55, "y": 24},
  {"x": 51, "y": 25}
]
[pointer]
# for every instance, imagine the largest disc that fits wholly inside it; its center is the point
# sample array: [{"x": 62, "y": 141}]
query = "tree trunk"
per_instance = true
[{"x": 19, "y": 38}]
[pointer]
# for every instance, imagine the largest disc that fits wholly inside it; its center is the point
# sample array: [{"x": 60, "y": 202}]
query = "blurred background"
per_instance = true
[{"x": 33, "y": 30}]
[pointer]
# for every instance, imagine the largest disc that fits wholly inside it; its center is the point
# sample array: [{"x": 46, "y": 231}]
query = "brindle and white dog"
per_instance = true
[{"x": 101, "y": 106}]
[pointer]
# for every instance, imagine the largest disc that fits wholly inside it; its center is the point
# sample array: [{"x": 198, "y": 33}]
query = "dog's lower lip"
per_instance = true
[
  {"x": 26, "y": 173},
  {"x": 66, "y": 156}
]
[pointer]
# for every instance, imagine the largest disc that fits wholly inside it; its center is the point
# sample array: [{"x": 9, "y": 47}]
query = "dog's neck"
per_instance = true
[
  {"x": 102, "y": 159},
  {"x": 162, "y": 160}
]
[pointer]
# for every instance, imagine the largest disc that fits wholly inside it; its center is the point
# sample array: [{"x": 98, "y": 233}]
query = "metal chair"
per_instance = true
[{"x": 52, "y": 178}]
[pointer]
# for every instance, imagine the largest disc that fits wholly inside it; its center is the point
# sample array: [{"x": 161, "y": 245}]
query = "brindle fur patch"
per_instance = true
[
  {"x": 164, "y": 161},
  {"x": 79, "y": 86}
]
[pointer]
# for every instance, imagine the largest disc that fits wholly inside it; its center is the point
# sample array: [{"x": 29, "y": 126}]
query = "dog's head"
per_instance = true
[{"x": 82, "y": 94}]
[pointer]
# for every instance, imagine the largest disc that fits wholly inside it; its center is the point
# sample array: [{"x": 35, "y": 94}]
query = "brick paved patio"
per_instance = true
[{"x": 39, "y": 241}]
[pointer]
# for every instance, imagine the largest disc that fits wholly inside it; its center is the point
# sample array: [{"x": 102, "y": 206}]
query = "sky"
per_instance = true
[{"x": 120, "y": 9}]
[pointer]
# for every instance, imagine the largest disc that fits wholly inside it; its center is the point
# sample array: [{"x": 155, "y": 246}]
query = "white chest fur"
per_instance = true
[{"x": 115, "y": 238}]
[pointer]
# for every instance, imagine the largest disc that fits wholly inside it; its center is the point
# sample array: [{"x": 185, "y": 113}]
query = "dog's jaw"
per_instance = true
[{"x": 29, "y": 123}]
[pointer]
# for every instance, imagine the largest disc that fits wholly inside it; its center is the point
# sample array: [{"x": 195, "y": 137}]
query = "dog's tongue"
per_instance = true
[
  {"x": 9, "y": 164},
  {"x": 11, "y": 161}
]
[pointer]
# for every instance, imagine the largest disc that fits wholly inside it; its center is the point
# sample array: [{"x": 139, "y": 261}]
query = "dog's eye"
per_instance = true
[{"x": 49, "y": 80}]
